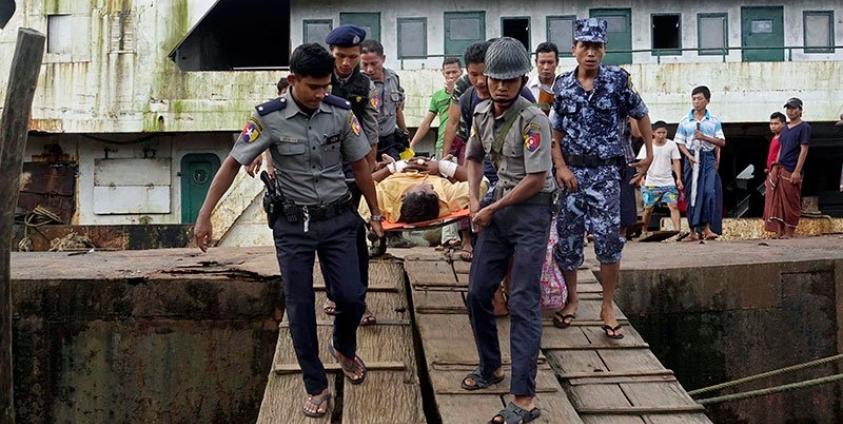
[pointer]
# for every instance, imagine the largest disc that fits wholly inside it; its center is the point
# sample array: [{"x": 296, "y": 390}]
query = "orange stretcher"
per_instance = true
[{"x": 423, "y": 225}]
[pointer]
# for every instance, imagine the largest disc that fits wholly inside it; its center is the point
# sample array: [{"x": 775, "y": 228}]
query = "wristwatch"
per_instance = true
[{"x": 376, "y": 218}]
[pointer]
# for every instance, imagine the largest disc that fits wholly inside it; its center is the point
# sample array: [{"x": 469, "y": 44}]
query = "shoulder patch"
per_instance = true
[
  {"x": 337, "y": 101},
  {"x": 273, "y": 105}
]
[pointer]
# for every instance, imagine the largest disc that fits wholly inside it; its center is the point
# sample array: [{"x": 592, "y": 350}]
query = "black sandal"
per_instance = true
[
  {"x": 480, "y": 382},
  {"x": 563, "y": 321},
  {"x": 513, "y": 414},
  {"x": 350, "y": 371},
  {"x": 317, "y": 401},
  {"x": 615, "y": 335}
]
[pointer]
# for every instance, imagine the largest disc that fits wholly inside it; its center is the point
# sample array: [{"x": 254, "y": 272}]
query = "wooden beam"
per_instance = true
[{"x": 14, "y": 126}]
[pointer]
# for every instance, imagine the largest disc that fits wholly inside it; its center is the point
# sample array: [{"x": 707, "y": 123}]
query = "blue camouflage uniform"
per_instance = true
[{"x": 594, "y": 151}]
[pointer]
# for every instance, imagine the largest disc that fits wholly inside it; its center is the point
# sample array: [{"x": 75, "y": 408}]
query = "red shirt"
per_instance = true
[{"x": 773, "y": 154}]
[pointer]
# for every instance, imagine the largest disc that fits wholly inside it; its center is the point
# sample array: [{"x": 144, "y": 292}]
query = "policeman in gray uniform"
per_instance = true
[
  {"x": 392, "y": 129},
  {"x": 513, "y": 224},
  {"x": 349, "y": 83},
  {"x": 309, "y": 134}
]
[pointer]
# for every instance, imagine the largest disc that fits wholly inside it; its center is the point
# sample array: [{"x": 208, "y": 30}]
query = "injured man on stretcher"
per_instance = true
[{"x": 420, "y": 190}]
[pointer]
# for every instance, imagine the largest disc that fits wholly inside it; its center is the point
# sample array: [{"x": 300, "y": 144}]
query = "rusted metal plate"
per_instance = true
[
  {"x": 50, "y": 185},
  {"x": 116, "y": 237}
]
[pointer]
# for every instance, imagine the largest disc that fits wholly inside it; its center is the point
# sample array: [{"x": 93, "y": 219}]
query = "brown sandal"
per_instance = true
[
  {"x": 330, "y": 308},
  {"x": 318, "y": 401},
  {"x": 368, "y": 319},
  {"x": 350, "y": 371}
]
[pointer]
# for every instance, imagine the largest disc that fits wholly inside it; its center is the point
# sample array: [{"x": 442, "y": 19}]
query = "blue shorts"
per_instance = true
[{"x": 654, "y": 195}]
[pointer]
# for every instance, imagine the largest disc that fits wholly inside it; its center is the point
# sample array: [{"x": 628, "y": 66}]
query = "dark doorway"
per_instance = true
[
  {"x": 667, "y": 34},
  {"x": 237, "y": 35},
  {"x": 517, "y": 28}
]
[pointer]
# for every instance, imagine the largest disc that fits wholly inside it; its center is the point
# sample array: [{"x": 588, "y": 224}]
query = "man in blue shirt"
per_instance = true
[
  {"x": 784, "y": 182},
  {"x": 699, "y": 135}
]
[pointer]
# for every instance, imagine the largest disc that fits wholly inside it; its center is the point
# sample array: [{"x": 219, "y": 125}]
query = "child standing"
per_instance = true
[
  {"x": 777, "y": 121},
  {"x": 659, "y": 185}
]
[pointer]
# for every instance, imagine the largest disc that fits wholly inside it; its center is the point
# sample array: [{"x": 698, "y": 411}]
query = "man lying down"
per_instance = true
[{"x": 419, "y": 190}]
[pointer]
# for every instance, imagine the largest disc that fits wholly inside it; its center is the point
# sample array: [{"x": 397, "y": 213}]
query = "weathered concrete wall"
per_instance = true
[
  {"x": 720, "y": 322},
  {"x": 159, "y": 350},
  {"x": 118, "y": 78},
  {"x": 169, "y": 147}
]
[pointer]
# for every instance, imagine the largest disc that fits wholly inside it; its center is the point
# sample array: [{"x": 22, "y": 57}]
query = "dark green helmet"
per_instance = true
[{"x": 507, "y": 59}]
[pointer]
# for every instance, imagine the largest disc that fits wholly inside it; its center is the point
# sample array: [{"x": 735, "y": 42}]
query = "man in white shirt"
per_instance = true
[
  {"x": 547, "y": 60},
  {"x": 659, "y": 185}
]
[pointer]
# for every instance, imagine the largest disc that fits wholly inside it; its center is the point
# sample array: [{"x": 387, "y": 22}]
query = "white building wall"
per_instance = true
[
  {"x": 538, "y": 10},
  {"x": 101, "y": 88}
]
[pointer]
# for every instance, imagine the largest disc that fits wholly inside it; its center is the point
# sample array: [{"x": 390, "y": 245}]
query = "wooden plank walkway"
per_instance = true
[
  {"x": 391, "y": 392},
  {"x": 583, "y": 376}
]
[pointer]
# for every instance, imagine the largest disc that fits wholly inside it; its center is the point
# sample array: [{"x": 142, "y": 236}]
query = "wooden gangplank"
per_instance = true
[
  {"x": 583, "y": 376},
  {"x": 391, "y": 392}
]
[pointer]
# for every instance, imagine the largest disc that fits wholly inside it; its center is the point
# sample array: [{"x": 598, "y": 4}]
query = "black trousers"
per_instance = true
[{"x": 332, "y": 239}]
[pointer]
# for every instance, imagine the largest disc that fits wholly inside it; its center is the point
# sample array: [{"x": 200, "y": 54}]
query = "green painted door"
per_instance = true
[
  {"x": 762, "y": 27},
  {"x": 197, "y": 171},
  {"x": 618, "y": 34},
  {"x": 462, "y": 29},
  {"x": 371, "y": 22}
]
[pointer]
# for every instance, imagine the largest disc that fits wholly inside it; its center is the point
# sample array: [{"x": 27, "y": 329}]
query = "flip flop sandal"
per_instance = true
[
  {"x": 480, "y": 382},
  {"x": 563, "y": 321},
  {"x": 330, "y": 308},
  {"x": 513, "y": 414},
  {"x": 351, "y": 370},
  {"x": 368, "y": 319},
  {"x": 614, "y": 335},
  {"x": 317, "y": 401}
]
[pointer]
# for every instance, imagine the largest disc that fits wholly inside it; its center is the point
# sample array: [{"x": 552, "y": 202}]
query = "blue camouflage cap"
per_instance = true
[
  {"x": 346, "y": 36},
  {"x": 592, "y": 30}
]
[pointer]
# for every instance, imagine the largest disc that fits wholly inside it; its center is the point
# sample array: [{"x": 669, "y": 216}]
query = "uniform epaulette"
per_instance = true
[
  {"x": 337, "y": 101},
  {"x": 271, "y": 106}
]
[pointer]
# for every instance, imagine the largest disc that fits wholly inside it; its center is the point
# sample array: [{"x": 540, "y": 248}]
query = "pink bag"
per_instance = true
[{"x": 554, "y": 291}]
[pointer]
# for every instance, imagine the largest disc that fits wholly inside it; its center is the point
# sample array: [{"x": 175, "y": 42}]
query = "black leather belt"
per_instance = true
[
  {"x": 590, "y": 161},
  {"x": 321, "y": 212}
]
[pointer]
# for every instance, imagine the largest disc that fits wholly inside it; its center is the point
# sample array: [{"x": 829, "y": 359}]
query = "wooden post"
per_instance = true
[{"x": 14, "y": 126}]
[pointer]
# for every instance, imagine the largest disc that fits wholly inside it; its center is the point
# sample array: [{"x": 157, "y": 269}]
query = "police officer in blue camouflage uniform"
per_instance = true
[
  {"x": 348, "y": 82},
  {"x": 590, "y": 106},
  {"x": 309, "y": 134},
  {"x": 512, "y": 225}
]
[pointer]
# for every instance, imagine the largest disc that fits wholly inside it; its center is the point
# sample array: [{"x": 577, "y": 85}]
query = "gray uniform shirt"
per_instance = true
[
  {"x": 389, "y": 97},
  {"x": 307, "y": 150},
  {"x": 526, "y": 148}
]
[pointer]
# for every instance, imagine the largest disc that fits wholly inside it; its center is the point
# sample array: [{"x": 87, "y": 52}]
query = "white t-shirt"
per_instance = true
[{"x": 660, "y": 173}]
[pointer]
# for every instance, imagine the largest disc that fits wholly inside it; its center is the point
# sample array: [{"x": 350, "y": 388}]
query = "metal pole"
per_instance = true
[{"x": 14, "y": 125}]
